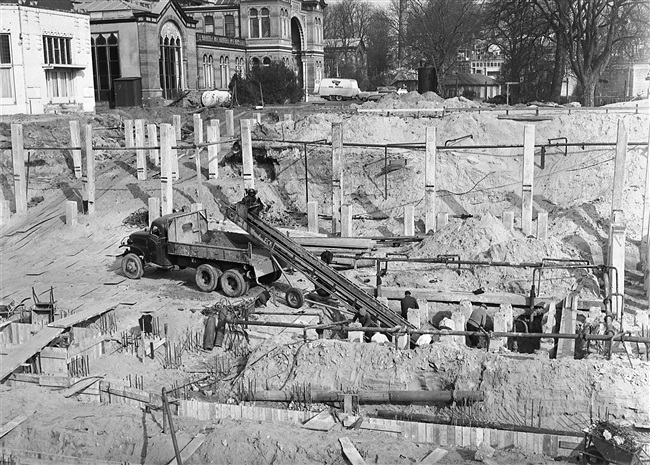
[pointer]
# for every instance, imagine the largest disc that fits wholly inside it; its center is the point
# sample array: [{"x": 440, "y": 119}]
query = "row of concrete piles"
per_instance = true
[{"x": 163, "y": 151}]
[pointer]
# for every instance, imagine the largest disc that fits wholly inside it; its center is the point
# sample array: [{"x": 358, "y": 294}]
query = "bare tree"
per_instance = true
[
  {"x": 436, "y": 29},
  {"x": 591, "y": 31},
  {"x": 521, "y": 33}
]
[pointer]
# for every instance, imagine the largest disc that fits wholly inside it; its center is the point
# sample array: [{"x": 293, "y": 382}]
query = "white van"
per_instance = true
[{"x": 338, "y": 89}]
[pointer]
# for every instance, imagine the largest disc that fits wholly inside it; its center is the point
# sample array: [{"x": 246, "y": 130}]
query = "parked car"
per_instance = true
[{"x": 375, "y": 94}]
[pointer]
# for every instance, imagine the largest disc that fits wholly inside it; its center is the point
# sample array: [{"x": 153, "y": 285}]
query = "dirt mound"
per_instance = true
[
  {"x": 469, "y": 238},
  {"x": 461, "y": 102}
]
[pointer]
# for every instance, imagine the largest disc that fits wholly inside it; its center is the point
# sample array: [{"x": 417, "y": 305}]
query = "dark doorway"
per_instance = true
[
  {"x": 296, "y": 48},
  {"x": 106, "y": 65}
]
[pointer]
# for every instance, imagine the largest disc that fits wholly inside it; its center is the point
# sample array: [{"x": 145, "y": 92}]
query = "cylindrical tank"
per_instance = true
[
  {"x": 211, "y": 98},
  {"x": 427, "y": 79}
]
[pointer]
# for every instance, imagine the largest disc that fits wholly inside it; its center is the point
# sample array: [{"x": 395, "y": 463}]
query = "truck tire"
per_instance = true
[
  {"x": 339, "y": 98},
  {"x": 294, "y": 297},
  {"x": 207, "y": 277},
  {"x": 132, "y": 266},
  {"x": 233, "y": 283}
]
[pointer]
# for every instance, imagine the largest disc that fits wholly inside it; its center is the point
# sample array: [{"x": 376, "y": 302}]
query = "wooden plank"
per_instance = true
[
  {"x": 189, "y": 449},
  {"x": 434, "y": 457},
  {"x": 351, "y": 452},
  {"x": 374, "y": 425},
  {"x": 54, "y": 381},
  {"x": 35, "y": 457},
  {"x": 9, "y": 426},
  {"x": 321, "y": 422},
  {"x": 79, "y": 317},
  {"x": 27, "y": 350},
  {"x": 80, "y": 386}
]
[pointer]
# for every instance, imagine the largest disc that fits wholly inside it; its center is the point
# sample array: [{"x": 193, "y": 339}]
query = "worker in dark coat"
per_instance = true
[
  {"x": 252, "y": 202},
  {"x": 479, "y": 321},
  {"x": 366, "y": 322},
  {"x": 406, "y": 303}
]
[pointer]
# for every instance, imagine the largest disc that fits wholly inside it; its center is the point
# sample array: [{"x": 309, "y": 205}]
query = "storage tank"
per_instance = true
[{"x": 427, "y": 79}]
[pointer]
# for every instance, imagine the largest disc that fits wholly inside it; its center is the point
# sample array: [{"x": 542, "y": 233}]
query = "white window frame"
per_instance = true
[{"x": 8, "y": 68}]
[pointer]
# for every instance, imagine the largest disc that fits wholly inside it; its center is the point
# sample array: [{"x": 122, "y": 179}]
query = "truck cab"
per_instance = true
[{"x": 230, "y": 261}]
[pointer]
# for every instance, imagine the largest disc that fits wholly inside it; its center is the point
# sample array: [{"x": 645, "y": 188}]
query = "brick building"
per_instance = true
[{"x": 174, "y": 46}]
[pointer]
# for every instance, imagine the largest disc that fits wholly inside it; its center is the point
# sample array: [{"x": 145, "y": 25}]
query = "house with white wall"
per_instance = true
[{"x": 45, "y": 60}]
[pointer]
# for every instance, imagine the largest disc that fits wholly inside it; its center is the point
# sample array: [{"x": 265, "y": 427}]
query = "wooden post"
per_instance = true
[
  {"x": 213, "y": 150},
  {"x": 230, "y": 123},
  {"x": 18, "y": 156},
  {"x": 247, "y": 154},
  {"x": 257, "y": 117},
  {"x": 337, "y": 176},
  {"x": 154, "y": 208},
  {"x": 129, "y": 142},
  {"x": 508, "y": 219},
  {"x": 542, "y": 225},
  {"x": 198, "y": 139},
  {"x": 90, "y": 169},
  {"x": 177, "y": 136},
  {"x": 430, "y": 181},
  {"x": 312, "y": 216},
  {"x": 5, "y": 212},
  {"x": 75, "y": 141},
  {"x": 409, "y": 220},
  {"x": 645, "y": 229},
  {"x": 617, "y": 260},
  {"x": 441, "y": 220},
  {"x": 346, "y": 221},
  {"x": 70, "y": 212},
  {"x": 140, "y": 154},
  {"x": 528, "y": 173},
  {"x": 619, "y": 174},
  {"x": 152, "y": 141},
  {"x": 566, "y": 347},
  {"x": 167, "y": 138}
]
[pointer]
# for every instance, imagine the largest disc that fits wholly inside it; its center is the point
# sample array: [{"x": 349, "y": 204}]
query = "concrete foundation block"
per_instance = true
[
  {"x": 459, "y": 322},
  {"x": 501, "y": 326},
  {"x": 466, "y": 308},
  {"x": 403, "y": 342},
  {"x": 506, "y": 310},
  {"x": 414, "y": 317},
  {"x": 355, "y": 336},
  {"x": 71, "y": 212}
]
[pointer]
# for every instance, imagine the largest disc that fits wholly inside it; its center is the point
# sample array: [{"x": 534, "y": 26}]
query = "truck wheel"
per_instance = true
[
  {"x": 232, "y": 283},
  {"x": 294, "y": 297},
  {"x": 207, "y": 277},
  {"x": 339, "y": 98},
  {"x": 132, "y": 266}
]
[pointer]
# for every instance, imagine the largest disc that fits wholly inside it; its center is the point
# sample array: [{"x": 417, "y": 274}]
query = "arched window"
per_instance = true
[
  {"x": 255, "y": 25},
  {"x": 266, "y": 23},
  {"x": 170, "y": 61},
  {"x": 255, "y": 62},
  {"x": 106, "y": 64},
  {"x": 229, "y": 25},
  {"x": 266, "y": 61},
  {"x": 208, "y": 27}
]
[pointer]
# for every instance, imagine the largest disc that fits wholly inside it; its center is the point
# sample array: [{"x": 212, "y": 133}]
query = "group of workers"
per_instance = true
[{"x": 479, "y": 322}]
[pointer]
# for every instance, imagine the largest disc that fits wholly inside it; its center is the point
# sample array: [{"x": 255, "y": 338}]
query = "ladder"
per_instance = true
[{"x": 314, "y": 269}]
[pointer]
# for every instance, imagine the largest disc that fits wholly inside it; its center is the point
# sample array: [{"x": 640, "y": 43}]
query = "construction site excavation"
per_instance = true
[{"x": 409, "y": 281}]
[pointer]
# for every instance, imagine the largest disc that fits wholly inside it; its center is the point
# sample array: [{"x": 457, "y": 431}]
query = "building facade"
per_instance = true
[
  {"x": 45, "y": 60},
  {"x": 175, "y": 46}
]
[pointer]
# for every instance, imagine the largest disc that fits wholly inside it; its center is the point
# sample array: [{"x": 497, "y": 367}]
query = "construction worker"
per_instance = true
[
  {"x": 366, "y": 322},
  {"x": 479, "y": 321},
  {"x": 252, "y": 202},
  {"x": 406, "y": 303}
]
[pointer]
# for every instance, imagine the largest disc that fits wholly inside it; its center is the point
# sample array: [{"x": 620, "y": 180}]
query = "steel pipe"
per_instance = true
[{"x": 376, "y": 397}]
